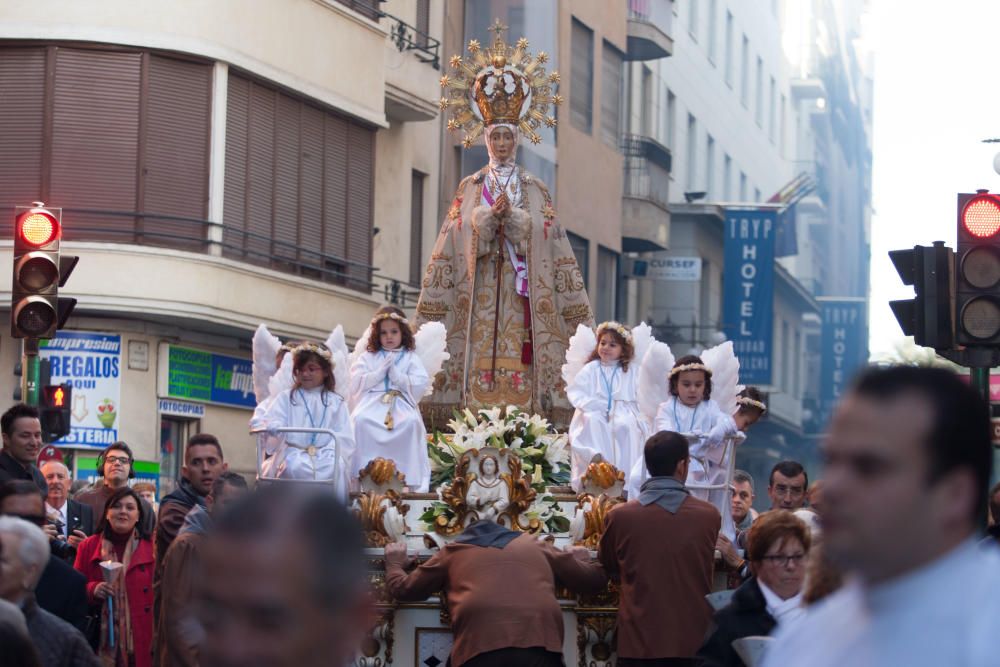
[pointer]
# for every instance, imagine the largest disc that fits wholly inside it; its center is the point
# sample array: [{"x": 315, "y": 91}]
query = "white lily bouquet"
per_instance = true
[{"x": 113, "y": 572}]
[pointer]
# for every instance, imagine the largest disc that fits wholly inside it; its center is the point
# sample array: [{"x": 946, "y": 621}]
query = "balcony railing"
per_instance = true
[
  {"x": 650, "y": 32},
  {"x": 407, "y": 38},
  {"x": 647, "y": 170}
]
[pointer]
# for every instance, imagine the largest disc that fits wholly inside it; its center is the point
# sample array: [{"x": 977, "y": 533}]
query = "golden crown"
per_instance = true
[{"x": 500, "y": 84}]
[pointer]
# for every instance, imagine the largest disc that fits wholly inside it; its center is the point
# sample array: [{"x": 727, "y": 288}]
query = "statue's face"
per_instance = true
[
  {"x": 502, "y": 142},
  {"x": 489, "y": 467}
]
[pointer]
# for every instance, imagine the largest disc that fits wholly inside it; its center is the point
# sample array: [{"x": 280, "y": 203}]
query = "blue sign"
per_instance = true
[
  {"x": 91, "y": 363},
  {"x": 844, "y": 349},
  {"x": 748, "y": 290},
  {"x": 196, "y": 375}
]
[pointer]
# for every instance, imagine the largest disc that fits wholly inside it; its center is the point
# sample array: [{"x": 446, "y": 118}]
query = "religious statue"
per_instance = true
[
  {"x": 502, "y": 276},
  {"x": 488, "y": 495}
]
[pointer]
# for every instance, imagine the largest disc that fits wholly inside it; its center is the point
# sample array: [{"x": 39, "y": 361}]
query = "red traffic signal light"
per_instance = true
[
  {"x": 38, "y": 227},
  {"x": 981, "y": 216},
  {"x": 54, "y": 411}
]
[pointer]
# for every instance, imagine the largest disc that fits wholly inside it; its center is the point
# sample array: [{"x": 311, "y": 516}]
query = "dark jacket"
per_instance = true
[
  {"x": 63, "y": 592},
  {"x": 59, "y": 644},
  {"x": 173, "y": 510},
  {"x": 11, "y": 469},
  {"x": 745, "y": 616},
  {"x": 78, "y": 517}
]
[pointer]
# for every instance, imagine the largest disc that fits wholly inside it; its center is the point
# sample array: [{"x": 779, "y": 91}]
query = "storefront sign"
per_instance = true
[
  {"x": 91, "y": 363},
  {"x": 748, "y": 290},
  {"x": 168, "y": 406},
  {"x": 207, "y": 377},
  {"x": 844, "y": 349},
  {"x": 673, "y": 268}
]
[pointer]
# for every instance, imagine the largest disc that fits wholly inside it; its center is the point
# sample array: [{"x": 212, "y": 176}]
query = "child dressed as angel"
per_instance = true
[
  {"x": 311, "y": 402},
  {"x": 607, "y": 420},
  {"x": 388, "y": 379}
]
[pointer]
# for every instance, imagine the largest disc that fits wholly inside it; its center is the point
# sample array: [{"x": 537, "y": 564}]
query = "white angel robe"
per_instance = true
[
  {"x": 406, "y": 443},
  {"x": 607, "y": 420},
  {"x": 673, "y": 415},
  {"x": 309, "y": 456}
]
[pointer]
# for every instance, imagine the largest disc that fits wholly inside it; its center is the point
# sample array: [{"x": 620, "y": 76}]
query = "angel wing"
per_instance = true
[
  {"x": 725, "y": 368},
  {"x": 653, "y": 386},
  {"x": 337, "y": 345},
  {"x": 265, "y": 351},
  {"x": 282, "y": 380},
  {"x": 642, "y": 338},
  {"x": 432, "y": 349},
  {"x": 581, "y": 346},
  {"x": 360, "y": 347}
]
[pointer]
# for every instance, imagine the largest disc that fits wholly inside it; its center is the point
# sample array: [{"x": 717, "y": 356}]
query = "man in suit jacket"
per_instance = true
[
  {"x": 61, "y": 590},
  {"x": 69, "y": 522},
  {"x": 660, "y": 548}
]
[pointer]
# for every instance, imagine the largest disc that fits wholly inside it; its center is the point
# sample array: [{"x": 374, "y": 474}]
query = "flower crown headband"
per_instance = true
[
  {"x": 320, "y": 350},
  {"x": 751, "y": 403},
  {"x": 690, "y": 367},
  {"x": 621, "y": 329},
  {"x": 390, "y": 316}
]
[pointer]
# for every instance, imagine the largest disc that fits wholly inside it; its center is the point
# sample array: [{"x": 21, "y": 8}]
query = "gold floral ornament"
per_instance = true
[{"x": 500, "y": 84}]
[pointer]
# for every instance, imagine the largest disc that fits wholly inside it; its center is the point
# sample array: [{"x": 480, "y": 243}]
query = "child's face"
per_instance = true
[
  {"x": 311, "y": 375},
  {"x": 390, "y": 336},
  {"x": 691, "y": 387},
  {"x": 608, "y": 348},
  {"x": 745, "y": 420}
]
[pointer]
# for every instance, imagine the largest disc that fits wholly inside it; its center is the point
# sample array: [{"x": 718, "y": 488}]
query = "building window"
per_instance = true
[
  {"x": 607, "y": 284},
  {"x": 646, "y": 97},
  {"x": 671, "y": 118},
  {"x": 771, "y": 115},
  {"x": 756, "y": 195},
  {"x": 781, "y": 126},
  {"x": 582, "y": 78},
  {"x": 786, "y": 342},
  {"x": 611, "y": 94},
  {"x": 743, "y": 186},
  {"x": 745, "y": 71},
  {"x": 693, "y": 19},
  {"x": 759, "y": 94},
  {"x": 728, "y": 66},
  {"x": 417, "y": 182},
  {"x": 367, "y": 8},
  {"x": 581, "y": 250},
  {"x": 105, "y": 132},
  {"x": 713, "y": 14},
  {"x": 299, "y": 186},
  {"x": 692, "y": 153},
  {"x": 709, "y": 166},
  {"x": 174, "y": 433},
  {"x": 423, "y": 22},
  {"x": 727, "y": 178}
]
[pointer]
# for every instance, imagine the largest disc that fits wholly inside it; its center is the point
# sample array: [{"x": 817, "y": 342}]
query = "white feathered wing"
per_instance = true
[
  {"x": 654, "y": 378},
  {"x": 581, "y": 345},
  {"x": 337, "y": 345},
  {"x": 283, "y": 379},
  {"x": 725, "y": 367},
  {"x": 265, "y": 351},
  {"x": 431, "y": 342},
  {"x": 642, "y": 338}
]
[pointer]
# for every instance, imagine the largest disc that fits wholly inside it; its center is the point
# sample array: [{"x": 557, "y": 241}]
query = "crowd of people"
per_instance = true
[{"x": 883, "y": 562}]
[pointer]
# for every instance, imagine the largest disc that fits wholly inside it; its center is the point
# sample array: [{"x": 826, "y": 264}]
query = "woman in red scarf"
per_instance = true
[{"x": 118, "y": 563}]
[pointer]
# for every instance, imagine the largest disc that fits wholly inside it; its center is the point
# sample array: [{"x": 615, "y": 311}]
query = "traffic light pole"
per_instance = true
[
  {"x": 32, "y": 370},
  {"x": 980, "y": 378}
]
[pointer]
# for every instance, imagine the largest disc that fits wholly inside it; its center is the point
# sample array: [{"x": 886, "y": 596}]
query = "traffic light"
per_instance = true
[
  {"x": 977, "y": 294},
  {"x": 930, "y": 316},
  {"x": 39, "y": 272},
  {"x": 54, "y": 411}
]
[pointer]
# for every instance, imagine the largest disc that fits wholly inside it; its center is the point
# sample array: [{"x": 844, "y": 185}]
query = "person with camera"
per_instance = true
[
  {"x": 115, "y": 467},
  {"x": 69, "y": 522}
]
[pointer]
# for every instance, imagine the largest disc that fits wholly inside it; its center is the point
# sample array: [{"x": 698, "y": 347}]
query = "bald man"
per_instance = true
[{"x": 69, "y": 522}]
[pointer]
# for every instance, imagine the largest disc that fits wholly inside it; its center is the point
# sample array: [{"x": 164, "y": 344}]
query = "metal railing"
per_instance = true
[
  {"x": 407, "y": 38},
  {"x": 646, "y": 170}
]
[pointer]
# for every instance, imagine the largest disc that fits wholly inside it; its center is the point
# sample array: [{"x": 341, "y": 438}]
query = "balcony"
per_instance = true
[
  {"x": 645, "y": 195},
  {"x": 411, "y": 86},
  {"x": 650, "y": 26}
]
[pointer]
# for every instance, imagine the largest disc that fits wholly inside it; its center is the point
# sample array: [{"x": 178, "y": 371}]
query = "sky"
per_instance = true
[{"x": 937, "y": 96}]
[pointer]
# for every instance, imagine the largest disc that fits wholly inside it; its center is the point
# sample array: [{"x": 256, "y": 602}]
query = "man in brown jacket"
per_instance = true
[
  {"x": 501, "y": 590},
  {"x": 176, "y": 630},
  {"x": 660, "y": 549}
]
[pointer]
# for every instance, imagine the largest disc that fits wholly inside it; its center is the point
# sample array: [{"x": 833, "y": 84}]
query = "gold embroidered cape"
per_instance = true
[{"x": 459, "y": 290}]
